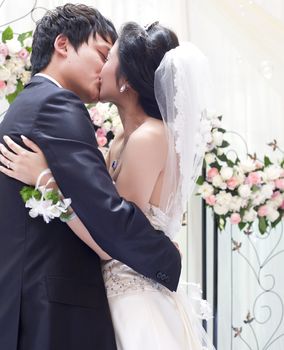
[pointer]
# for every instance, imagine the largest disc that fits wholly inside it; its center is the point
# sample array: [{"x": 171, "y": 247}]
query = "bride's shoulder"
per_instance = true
[{"x": 151, "y": 129}]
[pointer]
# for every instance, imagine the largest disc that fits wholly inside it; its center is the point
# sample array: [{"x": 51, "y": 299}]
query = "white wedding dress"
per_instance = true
[{"x": 146, "y": 315}]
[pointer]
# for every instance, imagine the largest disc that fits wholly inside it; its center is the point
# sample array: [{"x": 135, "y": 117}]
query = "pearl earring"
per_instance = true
[{"x": 123, "y": 88}]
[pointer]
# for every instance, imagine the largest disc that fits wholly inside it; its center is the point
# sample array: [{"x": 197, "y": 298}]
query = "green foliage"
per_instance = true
[
  {"x": 7, "y": 34},
  {"x": 27, "y": 192},
  {"x": 22, "y": 37},
  {"x": 11, "y": 97}
]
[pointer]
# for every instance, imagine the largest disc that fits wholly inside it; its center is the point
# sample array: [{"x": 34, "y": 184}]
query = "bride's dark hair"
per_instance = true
[{"x": 140, "y": 52}]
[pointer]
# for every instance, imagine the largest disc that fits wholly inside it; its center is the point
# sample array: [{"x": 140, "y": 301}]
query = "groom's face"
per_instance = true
[{"x": 84, "y": 66}]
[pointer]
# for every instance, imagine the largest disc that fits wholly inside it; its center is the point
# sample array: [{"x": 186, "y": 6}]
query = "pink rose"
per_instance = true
[
  {"x": 258, "y": 164},
  {"x": 210, "y": 200},
  {"x": 23, "y": 54},
  {"x": 232, "y": 183},
  {"x": 279, "y": 183},
  {"x": 2, "y": 85},
  {"x": 282, "y": 205},
  {"x": 254, "y": 178},
  {"x": 96, "y": 117},
  {"x": 235, "y": 218},
  {"x": 212, "y": 172},
  {"x": 102, "y": 141},
  {"x": 101, "y": 132},
  {"x": 4, "y": 50},
  {"x": 275, "y": 195},
  {"x": 262, "y": 211}
]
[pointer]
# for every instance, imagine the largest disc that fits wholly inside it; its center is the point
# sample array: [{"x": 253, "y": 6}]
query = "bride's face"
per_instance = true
[{"x": 109, "y": 89}]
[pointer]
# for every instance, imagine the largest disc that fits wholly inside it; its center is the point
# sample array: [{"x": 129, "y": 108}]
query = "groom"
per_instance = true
[{"x": 52, "y": 295}]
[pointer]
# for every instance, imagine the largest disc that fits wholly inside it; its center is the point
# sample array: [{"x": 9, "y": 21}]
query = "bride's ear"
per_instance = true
[
  {"x": 124, "y": 86},
  {"x": 61, "y": 45}
]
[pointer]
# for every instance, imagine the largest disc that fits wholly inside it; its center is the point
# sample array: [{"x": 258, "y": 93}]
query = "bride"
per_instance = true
[{"x": 162, "y": 93}]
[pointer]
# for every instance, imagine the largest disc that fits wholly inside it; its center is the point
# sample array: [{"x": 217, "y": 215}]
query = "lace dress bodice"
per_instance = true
[{"x": 120, "y": 278}]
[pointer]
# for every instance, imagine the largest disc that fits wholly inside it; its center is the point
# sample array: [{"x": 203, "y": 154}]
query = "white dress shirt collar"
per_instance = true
[{"x": 49, "y": 78}]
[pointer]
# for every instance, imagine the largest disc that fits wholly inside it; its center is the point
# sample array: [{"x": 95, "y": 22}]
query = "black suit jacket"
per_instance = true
[{"x": 52, "y": 295}]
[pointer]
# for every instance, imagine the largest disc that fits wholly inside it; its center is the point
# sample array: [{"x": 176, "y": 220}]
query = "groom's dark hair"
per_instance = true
[{"x": 77, "y": 22}]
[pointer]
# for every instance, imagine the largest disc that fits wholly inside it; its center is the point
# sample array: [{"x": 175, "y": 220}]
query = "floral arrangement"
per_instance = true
[
  {"x": 107, "y": 122},
  {"x": 241, "y": 191},
  {"x": 15, "y": 65},
  {"x": 46, "y": 203}
]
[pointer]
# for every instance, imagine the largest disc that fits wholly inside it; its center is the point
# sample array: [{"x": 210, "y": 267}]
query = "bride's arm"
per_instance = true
[{"x": 26, "y": 166}]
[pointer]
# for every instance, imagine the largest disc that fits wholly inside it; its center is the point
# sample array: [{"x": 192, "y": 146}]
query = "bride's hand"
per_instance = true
[{"x": 21, "y": 164}]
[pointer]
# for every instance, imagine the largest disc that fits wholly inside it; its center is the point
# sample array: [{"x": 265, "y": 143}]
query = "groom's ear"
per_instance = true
[{"x": 61, "y": 44}]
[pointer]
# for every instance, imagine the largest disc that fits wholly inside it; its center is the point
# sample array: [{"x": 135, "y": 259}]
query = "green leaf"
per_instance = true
[
  {"x": 262, "y": 225},
  {"x": 10, "y": 98},
  {"x": 65, "y": 216},
  {"x": 221, "y": 130},
  {"x": 27, "y": 192},
  {"x": 7, "y": 34},
  {"x": 230, "y": 163},
  {"x": 200, "y": 180},
  {"x": 242, "y": 225},
  {"x": 53, "y": 196},
  {"x": 267, "y": 161},
  {"x": 215, "y": 165},
  {"x": 223, "y": 157},
  {"x": 254, "y": 188},
  {"x": 276, "y": 222},
  {"x": 22, "y": 37},
  {"x": 225, "y": 144}
]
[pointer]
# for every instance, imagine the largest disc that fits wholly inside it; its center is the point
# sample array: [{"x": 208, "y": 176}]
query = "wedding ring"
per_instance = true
[{"x": 8, "y": 165}]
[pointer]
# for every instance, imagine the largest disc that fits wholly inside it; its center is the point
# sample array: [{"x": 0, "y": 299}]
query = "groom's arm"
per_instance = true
[{"x": 64, "y": 132}]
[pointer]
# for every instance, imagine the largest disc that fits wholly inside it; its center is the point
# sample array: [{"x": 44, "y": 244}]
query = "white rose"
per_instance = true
[
  {"x": 102, "y": 108},
  {"x": 244, "y": 191},
  {"x": 267, "y": 190},
  {"x": 14, "y": 46},
  {"x": 216, "y": 122},
  {"x": 4, "y": 73},
  {"x": 277, "y": 201},
  {"x": 250, "y": 215},
  {"x": 223, "y": 198},
  {"x": 28, "y": 42},
  {"x": 2, "y": 59},
  {"x": 217, "y": 137},
  {"x": 226, "y": 173},
  {"x": 272, "y": 214},
  {"x": 236, "y": 203},
  {"x": 218, "y": 182},
  {"x": 210, "y": 158},
  {"x": 2, "y": 93},
  {"x": 220, "y": 151},
  {"x": 107, "y": 126},
  {"x": 239, "y": 175},
  {"x": 247, "y": 166},
  {"x": 220, "y": 209},
  {"x": 11, "y": 87},
  {"x": 25, "y": 77},
  {"x": 257, "y": 198},
  {"x": 272, "y": 172},
  {"x": 205, "y": 190}
]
